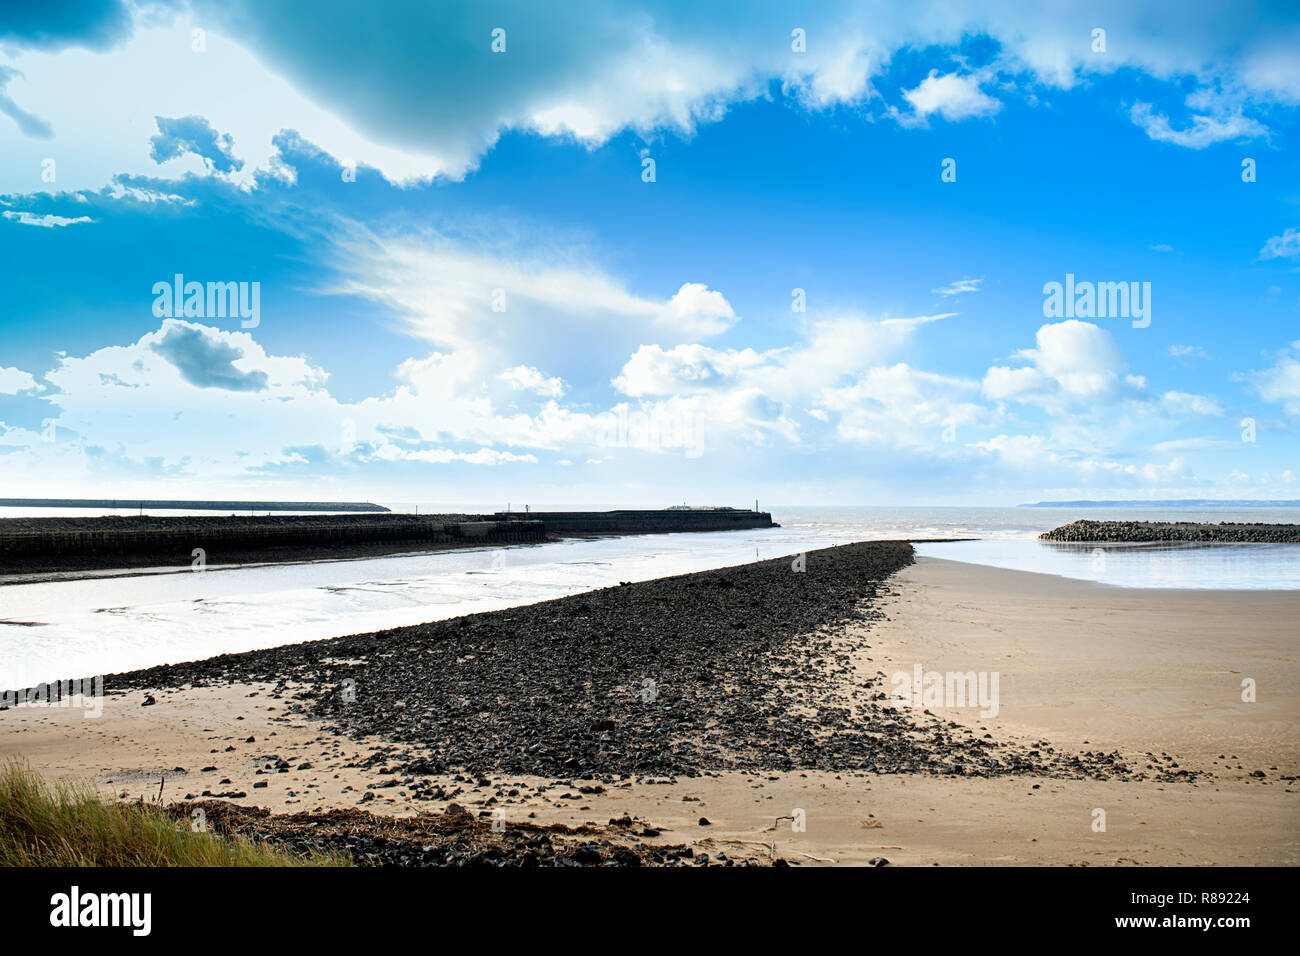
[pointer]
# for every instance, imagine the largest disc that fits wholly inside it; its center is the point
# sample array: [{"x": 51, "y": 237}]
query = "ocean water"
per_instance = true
[{"x": 65, "y": 629}]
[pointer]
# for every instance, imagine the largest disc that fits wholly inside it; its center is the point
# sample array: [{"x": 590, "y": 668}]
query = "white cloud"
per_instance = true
[
  {"x": 1285, "y": 246},
  {"x": 1281, "y": 383},
  {"x": 1074, "y": 362},
  {"x": 484, "y": 456},
  {"x": 15, "y": 380},
  {"x": 1039, "y": 461},
  {"x": 102, "y": 104},
  {"x": 1203, "y": 131},
  {"x": 589, "y": 71},
  {"x": 697, "y": 310},
  {"x": 521, "y": 305},
  {"x": 903, "y": 406},
  {"x": 1186, "y": 405},
  {"x": 1002, "y": 382},
  {"x": 959, "y": 287},
  {"x": 48, "y": 221},
  {"x": 952, "y": 96},
  {"x": 683, "y": 369},
  {"x": 1195, "y": 444},
  {"x": 1188, "y": 351},
  {"x": 527, "y": 378}
]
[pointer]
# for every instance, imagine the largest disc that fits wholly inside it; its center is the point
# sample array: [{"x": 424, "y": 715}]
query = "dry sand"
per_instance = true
[{"x": 1082, "y": 666}]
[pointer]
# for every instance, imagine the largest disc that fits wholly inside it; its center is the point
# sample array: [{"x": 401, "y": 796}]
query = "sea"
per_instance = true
[{"x": 70, "y": 629}]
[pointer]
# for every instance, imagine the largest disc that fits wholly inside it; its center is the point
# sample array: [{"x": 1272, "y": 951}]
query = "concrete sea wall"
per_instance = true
[
  {"x": 642, "y": 522},
  {"x": 172, "y": 536}
]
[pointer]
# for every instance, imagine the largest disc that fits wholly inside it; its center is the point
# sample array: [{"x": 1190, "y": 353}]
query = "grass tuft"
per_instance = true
[{"x": 69, "y": 824}]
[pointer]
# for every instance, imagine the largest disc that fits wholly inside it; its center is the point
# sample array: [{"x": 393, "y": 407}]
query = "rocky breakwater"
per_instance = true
[
  {"x": 1138, "y": 531},
  {"x": 753, "y": 667}
]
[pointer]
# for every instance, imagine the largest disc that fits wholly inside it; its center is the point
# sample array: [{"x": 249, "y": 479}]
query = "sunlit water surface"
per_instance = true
[{"x": 69, "y": 629}]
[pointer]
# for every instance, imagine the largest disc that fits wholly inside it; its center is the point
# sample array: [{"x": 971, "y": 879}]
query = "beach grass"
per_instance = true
[{"x": 69, "y": 824}]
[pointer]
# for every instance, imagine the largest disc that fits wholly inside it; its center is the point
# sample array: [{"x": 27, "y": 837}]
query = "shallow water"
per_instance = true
[
  {"x": 1229, "y": 566},
  {"x": 70, "y": 629}
]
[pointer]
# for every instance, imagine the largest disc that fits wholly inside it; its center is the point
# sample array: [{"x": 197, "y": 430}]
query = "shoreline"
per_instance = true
[
  {"x": 312, "y": 756},
  {"x": 332, "y": 556}
]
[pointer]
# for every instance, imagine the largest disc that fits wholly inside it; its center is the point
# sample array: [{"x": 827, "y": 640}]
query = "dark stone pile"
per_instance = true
[
  {"x": 453, "y": 838},
  {"x": 739, "y": 668},
  {"x": 1131, "y": 531}
]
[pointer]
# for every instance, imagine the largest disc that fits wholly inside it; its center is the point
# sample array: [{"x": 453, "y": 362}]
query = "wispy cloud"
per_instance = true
[
  {"x": 1202, "y": 131},
  {"x": 1285, "y": 246},
  {"x": 959, "y": 287},
  {"x": 48, "y": 220}
]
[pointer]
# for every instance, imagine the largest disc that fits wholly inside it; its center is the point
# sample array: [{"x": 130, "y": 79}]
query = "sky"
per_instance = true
[{"x": 645, "y": 253}]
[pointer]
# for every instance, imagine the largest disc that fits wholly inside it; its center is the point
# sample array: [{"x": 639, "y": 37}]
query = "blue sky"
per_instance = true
[{"x": 468, "y": 290}]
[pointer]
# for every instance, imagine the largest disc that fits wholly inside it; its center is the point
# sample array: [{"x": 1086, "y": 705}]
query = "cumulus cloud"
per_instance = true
[
  {"x": 903, "y": 406},
  {"x": 593, "y": 70},
  {"x": 590, "y": 70},
  {"x": 1042, "y": 462},
  {"x": 1280, "y": 384},
  {"x": 753, "y": 396},
  {"x": 952, "y": 96},
  {"x": 653, "y": 370},
  {"x": 15, "y": 380},
  {"x": 178, "y": 402},
  {"x": 1002, "y": 382},
  {"x": 205, "y": 358},
  {"x": 193, "y": 134},
  {"x": 1074, "y": 362},
  {"x": 700, "y": 310},
  {"x": 528, "y": 379}
]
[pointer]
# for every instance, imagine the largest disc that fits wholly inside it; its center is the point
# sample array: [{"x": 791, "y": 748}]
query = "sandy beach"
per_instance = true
[{"x": 1194, "y": 776}]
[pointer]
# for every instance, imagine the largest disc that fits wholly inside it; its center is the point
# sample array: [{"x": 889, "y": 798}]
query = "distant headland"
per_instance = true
[{"x": 1172, "y": 503}]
